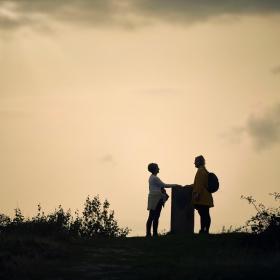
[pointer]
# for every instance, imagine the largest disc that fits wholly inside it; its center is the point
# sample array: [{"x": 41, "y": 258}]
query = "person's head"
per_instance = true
[
  {"x": 153, "y": 168},
  {"x": 199, "y": 161}
]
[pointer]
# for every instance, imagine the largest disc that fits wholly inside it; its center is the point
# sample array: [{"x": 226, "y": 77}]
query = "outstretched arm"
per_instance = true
[
  {"x": 172, "y": 186},
  {"x": 161, "y": 184},
  {"x": 169, "y": 185}
]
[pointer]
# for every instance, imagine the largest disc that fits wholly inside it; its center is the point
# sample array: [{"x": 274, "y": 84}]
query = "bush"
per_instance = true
[
  {"x": 97, "y": 220},
  {"x": 267, "y": 220}
]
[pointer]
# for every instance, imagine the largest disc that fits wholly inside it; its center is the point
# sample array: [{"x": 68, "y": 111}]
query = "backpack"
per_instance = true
[{"x": 213, "y": 183}]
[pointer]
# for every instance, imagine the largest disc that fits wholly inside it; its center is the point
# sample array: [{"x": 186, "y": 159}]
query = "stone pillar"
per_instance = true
[{"x": 182, "y": 212}]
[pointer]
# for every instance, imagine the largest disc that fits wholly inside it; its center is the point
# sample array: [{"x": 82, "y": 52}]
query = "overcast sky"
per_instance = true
[{"x": 92, "y": 91}]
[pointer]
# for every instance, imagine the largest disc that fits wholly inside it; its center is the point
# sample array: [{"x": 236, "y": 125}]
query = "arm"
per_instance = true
[
  {"x": 163, "y": 185},
  {"x": 188, "y": 186},
  {"x": 171, "y": 185}
]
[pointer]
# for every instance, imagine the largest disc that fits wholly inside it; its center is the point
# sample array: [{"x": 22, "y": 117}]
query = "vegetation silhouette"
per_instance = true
[
  {"x": 62, "y": 246},
  {"x": 266, "y": 222},
  {"x": 97, "y": 220}
]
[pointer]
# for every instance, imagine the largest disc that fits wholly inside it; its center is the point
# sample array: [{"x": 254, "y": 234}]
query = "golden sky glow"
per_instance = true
[{"x": 88, "y": 100}]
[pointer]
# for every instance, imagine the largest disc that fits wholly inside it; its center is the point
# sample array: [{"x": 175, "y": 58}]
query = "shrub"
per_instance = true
[
  {"x": 4, "y": 221},
  {"x": 267, "y": 220},
  {"x": 97, "y": 220}
]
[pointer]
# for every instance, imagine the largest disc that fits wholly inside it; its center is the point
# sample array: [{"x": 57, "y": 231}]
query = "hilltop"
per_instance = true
[{"x": 218, "y": 256}]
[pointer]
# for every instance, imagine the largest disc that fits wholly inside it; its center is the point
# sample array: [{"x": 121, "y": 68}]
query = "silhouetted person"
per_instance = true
[
  {"x": 156, "y": 199},
  {"x": 201, "y": 198}
]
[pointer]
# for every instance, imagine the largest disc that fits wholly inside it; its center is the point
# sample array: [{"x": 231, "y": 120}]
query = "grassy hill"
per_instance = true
[{"x": 221, "y": 256}]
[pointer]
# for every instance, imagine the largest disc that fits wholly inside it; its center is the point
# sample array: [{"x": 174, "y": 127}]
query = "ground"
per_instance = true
[{"x": 219, "y": 256}]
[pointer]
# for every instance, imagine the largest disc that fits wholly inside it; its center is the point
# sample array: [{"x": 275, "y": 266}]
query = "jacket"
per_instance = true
[{"x": 200, "y": 195}]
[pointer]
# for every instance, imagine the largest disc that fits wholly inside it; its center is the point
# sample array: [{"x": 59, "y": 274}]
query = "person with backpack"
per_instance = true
[
  {"x": 202, "y": 198},
  {"x": 156, "y": 199}
]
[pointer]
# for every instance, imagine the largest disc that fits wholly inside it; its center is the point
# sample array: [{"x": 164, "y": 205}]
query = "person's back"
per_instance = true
[{"x": 201, "y": 196}]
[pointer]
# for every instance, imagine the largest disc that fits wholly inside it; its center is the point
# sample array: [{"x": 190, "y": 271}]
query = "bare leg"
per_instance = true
[
  {"x": 156, "y": 218},
  {"x": 149, "y": 222}
]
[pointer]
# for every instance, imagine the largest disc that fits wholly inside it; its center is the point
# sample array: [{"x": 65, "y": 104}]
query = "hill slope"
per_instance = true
[{"x": 221, "y": 256}]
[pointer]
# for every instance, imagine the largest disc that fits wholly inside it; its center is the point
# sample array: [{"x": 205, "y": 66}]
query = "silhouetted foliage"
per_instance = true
[
  {"x": 97, "y": 220},
  {"x": 4, "y": 220},
  {"x": 267, "y": 219}
]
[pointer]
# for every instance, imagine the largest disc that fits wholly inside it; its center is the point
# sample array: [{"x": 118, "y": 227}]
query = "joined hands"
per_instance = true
[{"x": 181, "y": 186}]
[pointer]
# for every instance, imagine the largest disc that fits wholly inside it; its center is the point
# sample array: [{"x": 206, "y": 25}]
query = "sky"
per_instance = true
[{"x": 93, "y": 91}]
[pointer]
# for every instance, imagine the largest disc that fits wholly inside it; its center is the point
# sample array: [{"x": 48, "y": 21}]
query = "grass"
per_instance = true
[{"x": 219, "y": 256}]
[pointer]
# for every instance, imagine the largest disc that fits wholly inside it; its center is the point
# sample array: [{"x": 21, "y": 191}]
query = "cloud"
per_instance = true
[
  {"x": 199, "y": 10},
  {"x": 108, "y": 158},
  {"x": 234, "y": 135},
  {"x": 21, "y": 13},
  {"x": 276, "y": 70},
  {"x": 263, "y": 130},
  {"x": 14, "y": 14}
]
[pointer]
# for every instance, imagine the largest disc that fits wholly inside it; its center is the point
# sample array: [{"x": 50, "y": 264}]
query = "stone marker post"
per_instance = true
[{"x": 182, "y": 212}]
